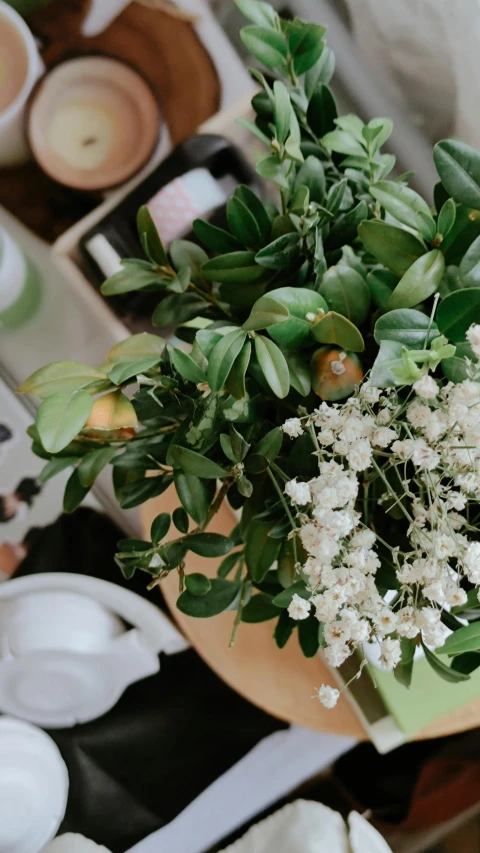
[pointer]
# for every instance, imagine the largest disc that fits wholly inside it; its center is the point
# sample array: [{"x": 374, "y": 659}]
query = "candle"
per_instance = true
[
  {"x": 20, "y": 67},
  {"x": 93, "y": 122}
]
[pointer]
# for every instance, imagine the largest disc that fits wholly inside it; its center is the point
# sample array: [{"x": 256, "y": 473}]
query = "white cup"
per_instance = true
[{"x": 13, "y": 142}]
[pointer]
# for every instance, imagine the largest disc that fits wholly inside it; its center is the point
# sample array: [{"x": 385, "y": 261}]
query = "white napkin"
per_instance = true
[
  {"x": 71, "y": 842},
  {"x": 308, "y": 827}
]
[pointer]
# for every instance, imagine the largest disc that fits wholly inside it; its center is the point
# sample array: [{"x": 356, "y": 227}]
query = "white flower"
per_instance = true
[
  {"x": 293, "y": 427},
  {"x": 337, "y": 366},
  {"x": 363, "y": 539},
  {"x": 473, "y": 336},
  {"x": 435, "y": 592},
  {"x": 471, "y": 562},
  {"x": 336, "y": 632},
  {"x": 326, "y": 437},
  {"x": 370, "y": 393},
  {"x": 299, "y": 608},
  {"x": 406, "y": 625},
  {"x": 337, "y": 654},
  {"x": 418, "y": 414},
  {"x": 384, "y": 417},
  {"x": 456, "y": 596},
  {"x": 383, "y": 436},
  {"x": 328, "y": 696},
  {"x": 390, "y": 653},
  {"x": 424, "y": 456},
  {"x": 360, "y": 455},
  {"x": 299, "y": 493},
  {"x": 403, "y": 449},
  {"x": 386, "y": 621},
  {"x": 426, "y": 387}
]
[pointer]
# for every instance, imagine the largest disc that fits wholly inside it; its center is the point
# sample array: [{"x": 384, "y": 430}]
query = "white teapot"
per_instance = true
[{"x": 66, "y": 655}]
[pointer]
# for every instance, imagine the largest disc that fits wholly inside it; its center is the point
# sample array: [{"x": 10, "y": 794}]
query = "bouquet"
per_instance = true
[{"x": 328, "y": 387}]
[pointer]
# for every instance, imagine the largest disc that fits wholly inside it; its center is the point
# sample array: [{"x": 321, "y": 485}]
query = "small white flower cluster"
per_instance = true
[{"x": 425, "y": 453}]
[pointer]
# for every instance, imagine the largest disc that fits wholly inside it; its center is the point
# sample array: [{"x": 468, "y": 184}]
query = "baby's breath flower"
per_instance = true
[
  {"x": 426, "y": 387},
  {"x": 299, "y": 493},
  {"x": 293, "y": 427},
  {"x": 328, "y": 696},
  {"x": 473, "y": 336},
  {"x": 390, "y": 653},
  {"x": 299, "y": 608}
]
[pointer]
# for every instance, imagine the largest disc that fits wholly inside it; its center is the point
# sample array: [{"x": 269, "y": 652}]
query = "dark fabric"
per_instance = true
[{"x": 169, "y": 736}]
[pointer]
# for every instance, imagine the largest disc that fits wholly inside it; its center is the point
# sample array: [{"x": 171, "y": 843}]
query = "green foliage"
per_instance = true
[{"x": 348, "y": 259}]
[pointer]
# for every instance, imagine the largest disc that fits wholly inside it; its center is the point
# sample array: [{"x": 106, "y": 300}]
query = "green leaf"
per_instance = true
[
  {"x": 306, "y": 44},
  {"x": 295, "y": 333},
  {"x": 322, "y": 72},
  {"x": 308, "y": 636},
  {"x": 442, "y": 669},
  {"x": 446, "y": 217},
  {"x": 457, "y": 312},
  {"x": 345, "y": 228},
  {"x": 235, "y": 382},
  {"x": 420, "y": 281},
  {"x": 177, "y": 308},
  {"x": 259, "y": 609},
  {"x": 93, "y": 463},
  {"x": 265, "y": 312},
  {"x": 74, "y": 493},
  {"x": 257, "y": 12},
  {"x": 404, "y": 669},
  {"x": 455, "y": 368},
  {"x": 273, "y": 365},
  {"x": 195, "y": 494},
  {"x": 133, "y": 277},
  {"x": 160, "y": 527},
  {"x": 346, "y": 293},
  {"x": 281, "y": 253},
  {"x": 281, "y": 107},
  {"x": 260, "y": 550},
  {"x": 140, "y": 491},
  {"x": 299, "y": 374},
  {"x": 406, "y": 326},
  {"x": 240, "y": 447},
  {"x": 180, "y": 519},
  {"x": 466, "y": 663},
  {"x": 312, "y": 175},
  {"x": 322, "y": 112},
  {"x": 466, "y": 639},
  {"x": 208, "y": 544},
  {"x": 149, "y": 238},
  {"x": 197, "y": 583},
  {"x": 214, "y": 238},
  {"x": 343, "y": 143},
  {"x": 470, "y": 266},
  {"x": 407, "y": 206},
  {"x": 335, "y": 329},
  {"x": 228, "y": 564},
  {"x": 236, "y": 267},
  {"x": 186, "y": 367},
  {"x": 284, "y": 630},
  {"x": 256, "y": 208},
  {"x": 195, "y": 463},
  {"x": 184, "y": 253},
  {"x": 389, "y": 358},
  {"x": 243, "y": 224},
  {"x": 271, "y": 169},
  {"x": 222, "y": 358},
  {"x": 55, "y": 466},
  {"x": 336, "y": 195},
  {"x": 124, "y": 370},
  {"x": 381, "y": 284},
  {"x": 270, "y": 445},
  {"x": 394, "y": 247},
  {"x": 226, "y": 445},
  {"x": 458, "y": 166},
  {"x": 60, "y": 377},
  {"x": 61, "y": 417},
  {"x": 221, "y": 595},
  {"x": 268, "y": 46},
  {"x": 284, "y": 598},
  {"x": 136, "y": 348}
]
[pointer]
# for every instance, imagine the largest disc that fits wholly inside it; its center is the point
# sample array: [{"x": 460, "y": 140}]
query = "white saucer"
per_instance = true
[{"x": 33, "y": 787}]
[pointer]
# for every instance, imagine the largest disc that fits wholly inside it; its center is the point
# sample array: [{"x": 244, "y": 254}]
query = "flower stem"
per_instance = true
[{"x": 287, "y": 510}]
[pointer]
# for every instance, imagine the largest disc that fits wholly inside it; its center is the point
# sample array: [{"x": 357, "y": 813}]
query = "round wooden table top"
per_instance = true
[{"x": 280, "y": 681}]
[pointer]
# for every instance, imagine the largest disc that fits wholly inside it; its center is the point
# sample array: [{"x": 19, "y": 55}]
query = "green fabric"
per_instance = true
[{"x": 427, "y": 698}]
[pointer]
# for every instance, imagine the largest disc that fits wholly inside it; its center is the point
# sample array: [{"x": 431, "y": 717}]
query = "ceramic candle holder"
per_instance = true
[{"x": 93, "y": 122}]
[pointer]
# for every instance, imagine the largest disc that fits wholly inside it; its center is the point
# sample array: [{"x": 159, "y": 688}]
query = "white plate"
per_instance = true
[{"x": 33, "y": 787}]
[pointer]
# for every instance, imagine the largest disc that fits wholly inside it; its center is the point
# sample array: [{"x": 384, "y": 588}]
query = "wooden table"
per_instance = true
[{"x": 281, "y": 682}]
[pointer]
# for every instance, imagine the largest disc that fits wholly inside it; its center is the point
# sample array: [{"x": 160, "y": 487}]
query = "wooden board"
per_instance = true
[
  {"x": 281, "y": 682},
  {"x": 166, "y": 50}
]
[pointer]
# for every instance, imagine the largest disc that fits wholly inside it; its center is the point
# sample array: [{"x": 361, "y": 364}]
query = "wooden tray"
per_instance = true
[
  {"x": 281, "y": 682},
  {"x": 166, "y": 50}
]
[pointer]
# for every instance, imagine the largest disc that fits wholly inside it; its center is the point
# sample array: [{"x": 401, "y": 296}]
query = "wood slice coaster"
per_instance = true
[
  {"x": 280, "y": 682},
  {"x": 169, "y": 54}
]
